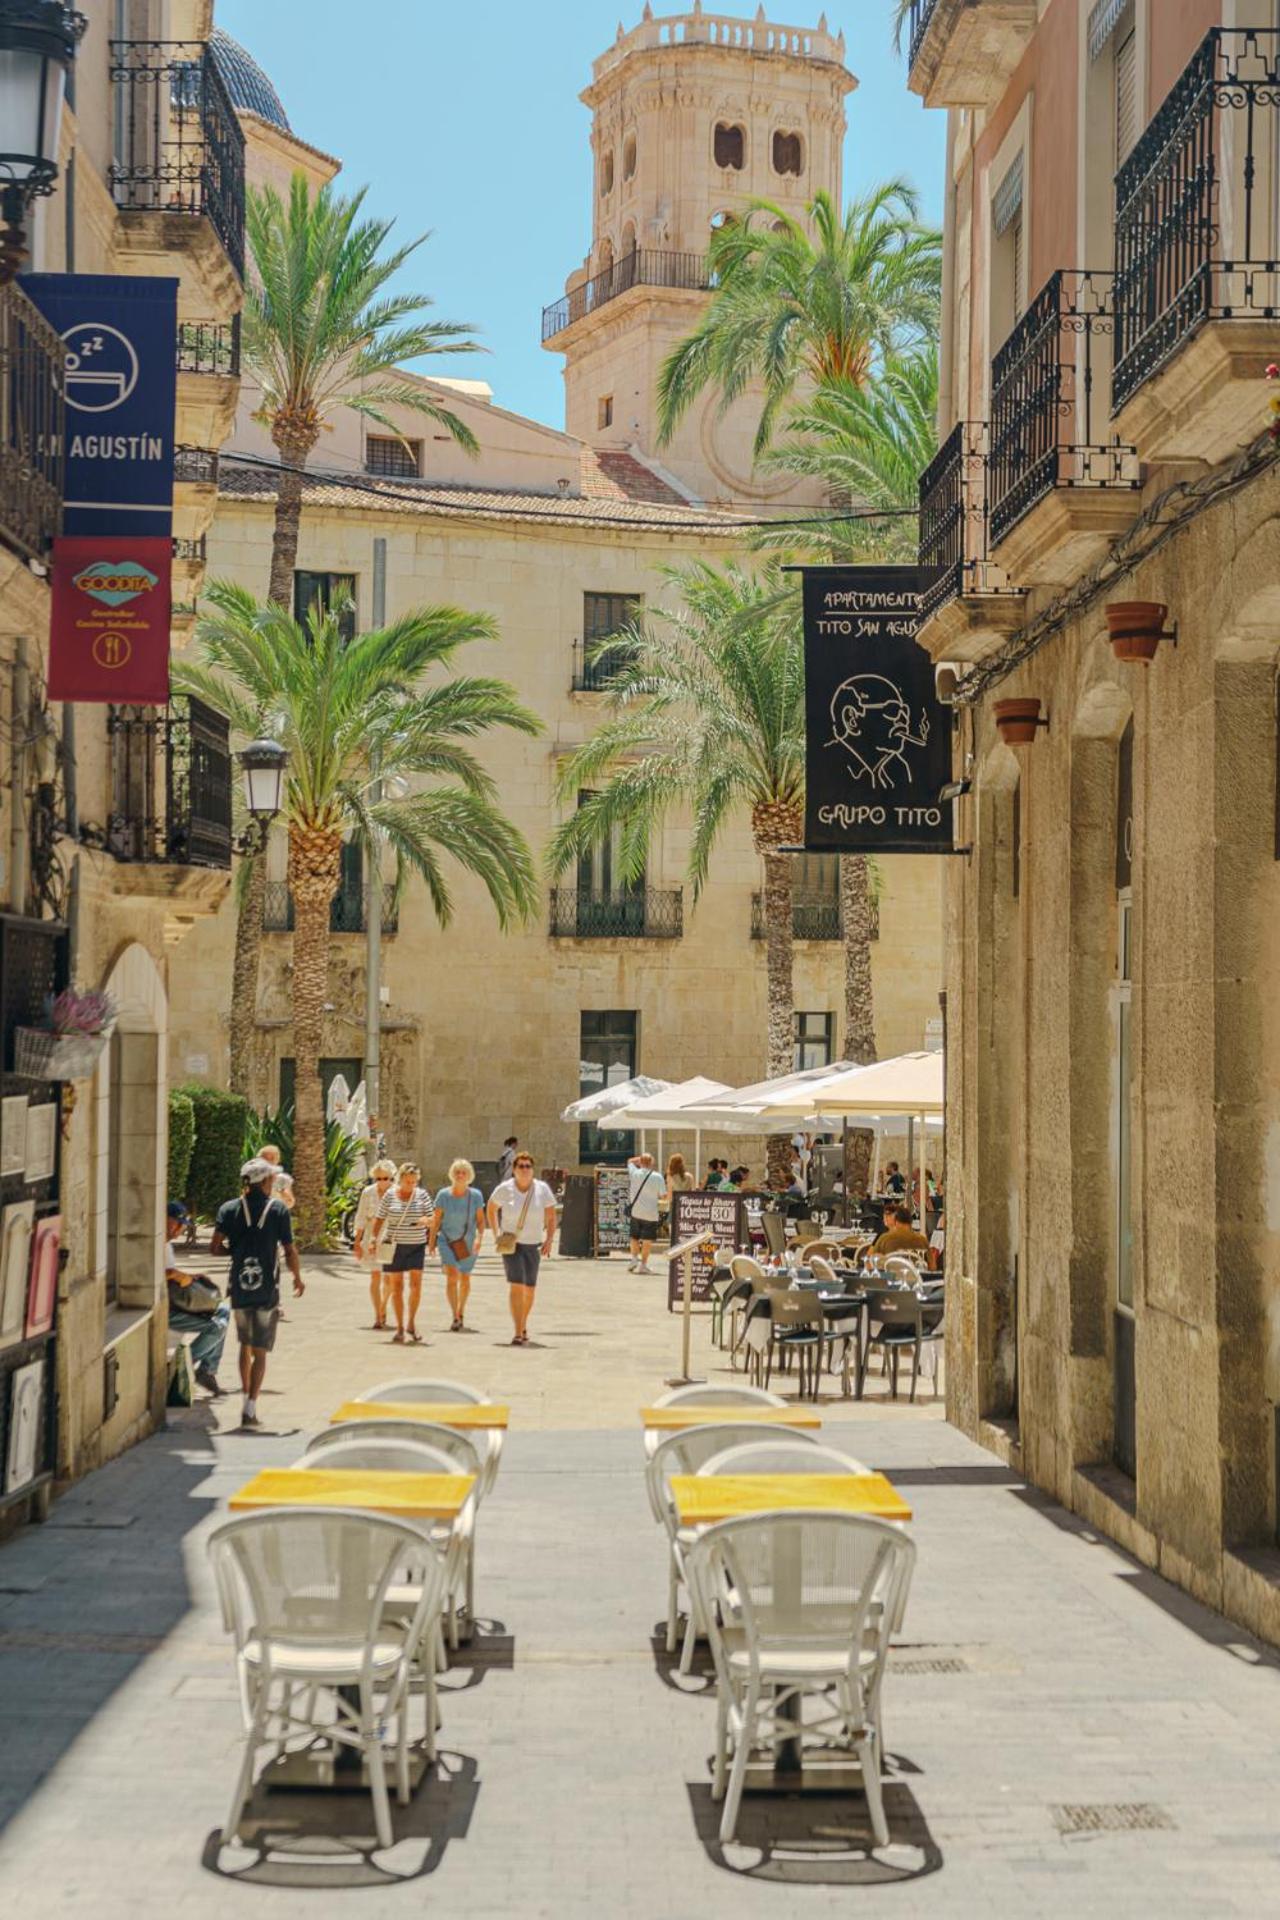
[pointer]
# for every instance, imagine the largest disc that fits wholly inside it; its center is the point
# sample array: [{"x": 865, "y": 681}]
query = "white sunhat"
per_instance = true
[{"x": 255, "y": 1171}]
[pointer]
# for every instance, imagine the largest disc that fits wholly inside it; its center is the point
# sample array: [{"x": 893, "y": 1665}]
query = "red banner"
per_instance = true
[{"x": 109, "y": 633}]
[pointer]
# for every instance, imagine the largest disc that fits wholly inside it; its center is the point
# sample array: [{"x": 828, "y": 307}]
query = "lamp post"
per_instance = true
[
  {"x": 37, "y": 45},
  {"x": 264, "y": 763}
]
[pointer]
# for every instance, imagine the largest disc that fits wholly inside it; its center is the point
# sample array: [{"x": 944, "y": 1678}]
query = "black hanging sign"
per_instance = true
[{"x": 878, "y": 740}]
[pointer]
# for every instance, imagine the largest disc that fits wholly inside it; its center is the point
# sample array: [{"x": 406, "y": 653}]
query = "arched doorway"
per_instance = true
[{"x": 131, "y": 1135}]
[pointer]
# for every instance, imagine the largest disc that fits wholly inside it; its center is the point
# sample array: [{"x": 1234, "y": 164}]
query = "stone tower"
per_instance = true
[{"x": 693, "y": 114}]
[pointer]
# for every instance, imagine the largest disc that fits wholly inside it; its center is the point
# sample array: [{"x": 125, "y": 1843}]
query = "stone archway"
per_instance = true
[{"x": 131, "y": 1133}]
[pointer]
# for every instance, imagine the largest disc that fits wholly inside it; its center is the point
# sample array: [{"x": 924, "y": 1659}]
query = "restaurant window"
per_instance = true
[
  {"x": 326, "y": 590},
  {"x": 1125, "y": 1368},
  {"x": 607, "y": 1055},
  {"x": 393, "y": 458},
  {"x": 814, "y": 1039},
  {"x": 730, "y": 146}
]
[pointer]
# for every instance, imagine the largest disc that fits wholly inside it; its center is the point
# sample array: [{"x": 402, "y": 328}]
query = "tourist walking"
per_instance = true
[
  {"x": 404, "y": 1214},
  {"x": 458, "y": 1223},
  {"x": 522, "y": 1219},
  {"x": 282, "y": 1180},
  {"x": 362, "y": 1236},
  {"x": 644, "y": 1200},
  {"x": 255, "y": 1230},
  {"x": 506, "y": 1159}
]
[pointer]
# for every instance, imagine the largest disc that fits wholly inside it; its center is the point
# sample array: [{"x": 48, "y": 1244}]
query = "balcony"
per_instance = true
[
  {"x": 817, "y": 919},
  {"x": 1059, "y": 493},
  {"x": 591, "y": 673},
  {"x": 208, "y": 380},
  {"x": 651, "y": 913},
  {"x": 346, "y": 909},
  {"x": 645, "y": 267},
  {"x": 210, "y": 347},
  {"x": 967, "y": 606},
  {"x": 177, "y": 176},
  {"x": 961, "y": 53},
  {"x": 31, "y": 427},
  {"x": 170, "y": 782},
  {"x": 195, "y": 492},
  {"x": 1198, "y": 255}
]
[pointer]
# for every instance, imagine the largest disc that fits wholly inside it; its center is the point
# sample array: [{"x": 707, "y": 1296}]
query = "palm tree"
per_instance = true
[
  {"x": 359, "y": 723},
  {"x": 790, "y": 308},
  {"x": 707, "y": 713}
]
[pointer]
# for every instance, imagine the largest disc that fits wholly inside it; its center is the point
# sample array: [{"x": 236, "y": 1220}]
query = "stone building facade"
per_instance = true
[{"x": 1113, "y": 225}]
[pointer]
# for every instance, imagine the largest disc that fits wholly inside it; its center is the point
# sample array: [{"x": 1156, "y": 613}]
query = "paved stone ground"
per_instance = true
[{"x": 1040, "y": 1671}]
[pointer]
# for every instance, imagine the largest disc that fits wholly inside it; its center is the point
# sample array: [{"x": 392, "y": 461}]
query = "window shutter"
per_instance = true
[
  {"x": 1126, "y": 97},
  {"x": 1015, "y": 234}
]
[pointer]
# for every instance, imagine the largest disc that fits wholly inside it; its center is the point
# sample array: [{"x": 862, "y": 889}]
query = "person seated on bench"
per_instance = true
[{"x": 210, "y": 1326}]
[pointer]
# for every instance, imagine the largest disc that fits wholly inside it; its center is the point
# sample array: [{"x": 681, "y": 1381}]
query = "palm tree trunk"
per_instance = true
[
  {"x": 314, "y": 866},
  {"x": 293, "y": 444},
  {"x": 244, "y": 973},
  {"x": 779, "y": 955},
  {"x": 859, "y": 1003}
]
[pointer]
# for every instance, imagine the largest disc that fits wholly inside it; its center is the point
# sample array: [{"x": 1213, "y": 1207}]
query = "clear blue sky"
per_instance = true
[{"x": 465, "y": 119}]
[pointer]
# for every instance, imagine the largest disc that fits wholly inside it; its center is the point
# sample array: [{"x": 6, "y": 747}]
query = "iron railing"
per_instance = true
[
  {"x": 178, "y": 147},
  {"x": 1195, "y": 220},
  {"x": 195, "y": 466},
  {"x": 643, "y": 267},
  {"x": 205, "y": 346},
  {"x": 32, "y": 426},
  {"x": 171, "y": 783},
  {"x": 1045, "y": 402},
  {"x": 650, "y": 913},
  {"x": 954, "y": 551},
  {"x": 191, "y": 547},
  {"x": 921, "y": 17},
  {"x": 816, "y": 919},
  {"x": 346, "y": 909},
  {"x": 596, "y": 663}
]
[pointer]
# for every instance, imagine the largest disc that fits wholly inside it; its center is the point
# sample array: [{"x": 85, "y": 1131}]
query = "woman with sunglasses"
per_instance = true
[
  {"x": 522, "y": 1219},
  {"x": 382, "y": 1174},
  {"x": 404, "y": 1215}
]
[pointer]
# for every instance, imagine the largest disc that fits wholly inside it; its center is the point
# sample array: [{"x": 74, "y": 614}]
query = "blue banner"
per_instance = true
[{"x": 120, "y": 382}]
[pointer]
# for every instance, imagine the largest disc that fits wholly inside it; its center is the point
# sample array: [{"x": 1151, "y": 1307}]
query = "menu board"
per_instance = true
[
  {"x": 722, "y": 1217},
  {"x": 613, "y": 1210}
]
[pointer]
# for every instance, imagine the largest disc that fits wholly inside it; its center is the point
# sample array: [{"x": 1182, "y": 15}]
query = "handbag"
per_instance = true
[
  {"x": 508, "y": 1242},
  {"x": 459, "y": 1248},
  {"x": 201, "y": 1296}
]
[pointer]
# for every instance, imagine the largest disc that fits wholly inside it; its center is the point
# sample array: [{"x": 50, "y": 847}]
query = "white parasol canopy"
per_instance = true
[
  {"x": 667, "y": 1110},
  {"x": 910, "y": 1085},
  {"x": 610, "y": 1100},
  {"x": 741, "y": 1110}
]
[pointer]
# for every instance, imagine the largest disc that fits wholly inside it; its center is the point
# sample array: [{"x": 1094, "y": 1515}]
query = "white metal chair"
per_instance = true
[
  {"x": 799, "y": 1608},
  {"x": 710, "y": 1396},
  {"x": 445, "y": 1393},
  {"x": 760, "y": 1455},
  {"x": 460, "y": 1447},
  {"x": 303, "y": 1594},
  {"x": 684, "y": 1453}
]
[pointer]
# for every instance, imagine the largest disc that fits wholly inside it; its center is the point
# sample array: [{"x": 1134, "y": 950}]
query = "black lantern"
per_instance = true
[
  {"x": 263, "y": 763},
  {"x": 37, "y": 45}
]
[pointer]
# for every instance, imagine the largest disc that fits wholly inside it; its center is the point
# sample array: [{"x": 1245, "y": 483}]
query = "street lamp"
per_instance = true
[
  {"x": 263, "y": 763},
  {"x": 37, "y": 45}
]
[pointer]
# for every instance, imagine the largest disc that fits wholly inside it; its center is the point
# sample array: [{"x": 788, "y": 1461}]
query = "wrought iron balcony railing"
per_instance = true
[
  {"x": 32, "y": 421},
  {"x": 643, "y": 267},
  {"x": 206, "y": 347},
  {"x": 650, "y": 913},
  {"x": 954, "y": 551},
  {"x": 817, "y": 919},
  {"x": 171, "y": 784},
  {"x": 178, "y": 144},
  {"x": 919, "y": 22},
  {"x": 1195, "y": 206},
  {"x": 346, "y": 909},
  {"x": 592, "y": 671},
  {"x": 194, "y": 549},
  {"x": 1048, "y": 401},
  {"x": 195, "y": 466}
]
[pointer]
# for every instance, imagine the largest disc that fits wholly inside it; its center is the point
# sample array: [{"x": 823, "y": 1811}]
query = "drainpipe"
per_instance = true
[
  {"x": 373, "y": 902},
  {"x": 20, "y": 826}
]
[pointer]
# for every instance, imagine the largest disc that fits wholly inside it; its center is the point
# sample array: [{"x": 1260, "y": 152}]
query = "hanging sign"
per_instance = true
[
  {"x": 878, "y": 740},
  {"x": 109, "y": 625}
]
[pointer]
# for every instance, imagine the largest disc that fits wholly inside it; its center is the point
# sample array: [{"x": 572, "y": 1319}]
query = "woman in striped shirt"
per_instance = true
[{"x": 404, "y": 1215}]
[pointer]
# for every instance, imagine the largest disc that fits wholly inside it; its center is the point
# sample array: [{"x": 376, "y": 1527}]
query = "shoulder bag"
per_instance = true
[
  {"x": 460, "y": 1249},
  {"x": 508, "y": 1242}
]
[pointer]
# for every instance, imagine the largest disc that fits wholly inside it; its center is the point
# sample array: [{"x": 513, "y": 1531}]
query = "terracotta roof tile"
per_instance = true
[{"x": 608, "y": 475}]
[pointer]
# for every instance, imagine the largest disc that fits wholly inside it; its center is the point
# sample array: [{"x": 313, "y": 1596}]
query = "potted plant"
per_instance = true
[
  {"x": 1017, "y": 720},
  {"x": 1136, "y": 628},
  {"x": 77, "y": 1026}
]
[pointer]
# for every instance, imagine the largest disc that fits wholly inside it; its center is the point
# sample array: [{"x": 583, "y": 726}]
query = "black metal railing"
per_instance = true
[
  {"x": 195, "y": 466},
  {"x": 596, "y": 663},
  {"x": 206, "y": 346},
  {"x": 922, "y": 12},
  {"x": 1195, "y": 220},
  {"x": 346, "y": 909},
  {"x": 171, "y": 784},
  {"x": 178, "y": 144},
  {"x": 643, "y": 267},
  {"x": 954, "y": 551},
  {"x": 650, "y": 913},
  {"x": 193, "y": 548},
  {"x": 32, "y": 426},
  {"x": 816, "y": 919},
  {"x": 1049, "y": 398}
]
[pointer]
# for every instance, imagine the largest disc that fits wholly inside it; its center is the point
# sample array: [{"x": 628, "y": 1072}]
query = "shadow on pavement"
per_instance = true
[
  {"x": 701, "y": 1678},
  {"x": 491, "y": 1649},
  {"x": 325, "y": 1841},
  {"x": 818, "y": 1840}
]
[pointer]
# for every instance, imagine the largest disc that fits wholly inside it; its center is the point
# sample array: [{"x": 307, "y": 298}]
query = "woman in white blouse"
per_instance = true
[{"x": 381, "y": 1176}]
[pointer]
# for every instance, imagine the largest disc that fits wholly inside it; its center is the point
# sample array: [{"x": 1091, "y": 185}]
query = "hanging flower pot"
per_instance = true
[
  {"x": 40, "y": 1055},
  {"x": 1136, "y": 628},
  {"x": 1017, "y": 720}
]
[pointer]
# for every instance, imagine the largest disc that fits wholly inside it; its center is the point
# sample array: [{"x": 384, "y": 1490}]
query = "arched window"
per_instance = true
[
  {"x": 730, "y": 146},
  {"x": 628, "y": 238},
  {"x": 606, "y": 172},
  {"x": 788, "y": 153},
  {"x": 629, "y": 156},
  {"x": 721, "y": 218}
]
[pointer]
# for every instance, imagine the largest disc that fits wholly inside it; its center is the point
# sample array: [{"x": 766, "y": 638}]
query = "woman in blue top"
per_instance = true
[{"x": 458, "y": 1223}]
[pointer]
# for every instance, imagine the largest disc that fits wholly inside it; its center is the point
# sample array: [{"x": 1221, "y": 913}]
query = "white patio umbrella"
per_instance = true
[
  {"x": 607, "y": 1101},
  {"x": 666, "y": 1111},
  {"x": 739, "y": 1111},
  {"x": 909, "y": 1086}
]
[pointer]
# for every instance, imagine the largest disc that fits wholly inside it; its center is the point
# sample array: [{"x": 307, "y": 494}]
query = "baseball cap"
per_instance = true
[
  {"x": 175, "y": 1210},
  {"x": 255, "y": 1171}
]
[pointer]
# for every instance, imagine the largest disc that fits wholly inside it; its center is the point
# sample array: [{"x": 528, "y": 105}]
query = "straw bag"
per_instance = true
[{"x": 508, "y": 1242}]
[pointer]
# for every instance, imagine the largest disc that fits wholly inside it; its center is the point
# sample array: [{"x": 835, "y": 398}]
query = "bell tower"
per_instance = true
[{"x": 693, "y": 114}]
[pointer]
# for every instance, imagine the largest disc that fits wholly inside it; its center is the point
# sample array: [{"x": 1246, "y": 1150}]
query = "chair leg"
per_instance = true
[
  {"x": 690, "y": 1638},
  {"x": 738, "y": 1772},
  {"x": 869, "y": 1761},
  {"x": 915, "y": 1370},
  {"x": 371, "y": 1746},
  {"x": 244, "y": 1782},
  {"x": 402, "y": 1750},
  {"x": 720, "y": 1771},
  {"x": 893, "y": 1373},
  {"x": 673, "y": 1620}
]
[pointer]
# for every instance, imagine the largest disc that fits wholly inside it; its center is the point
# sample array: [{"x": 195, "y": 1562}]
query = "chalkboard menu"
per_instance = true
[
  {"x": 613, "y": 1210},
  {"x": 577, "y": 1217},
  {"x": 723, "y": 1218}
]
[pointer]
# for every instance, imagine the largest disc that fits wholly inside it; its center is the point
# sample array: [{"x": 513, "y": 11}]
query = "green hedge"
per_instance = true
[
  {"x": 182, "y": 1140},
  {"x": 219, "y": 1148}
]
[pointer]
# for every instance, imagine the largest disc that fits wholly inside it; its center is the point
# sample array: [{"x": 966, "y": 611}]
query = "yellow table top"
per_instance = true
[
  {"x": 672, "y": 1419},
  {"x": 702, "y": 1499},
  {"x": 459, "y": 1414},
  {"x": 408, "y": 1496}
]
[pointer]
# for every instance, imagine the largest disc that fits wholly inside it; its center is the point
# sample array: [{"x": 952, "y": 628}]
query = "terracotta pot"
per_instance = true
[
  {"x": 1136, "y": 628},
  {"x": 1017, "y": 721}
]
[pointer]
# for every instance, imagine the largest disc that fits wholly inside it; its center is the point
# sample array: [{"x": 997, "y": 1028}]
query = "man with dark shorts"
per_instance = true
[
  {"x": 644, "y": 1207},
  {"x": 254, "y": 1230}
]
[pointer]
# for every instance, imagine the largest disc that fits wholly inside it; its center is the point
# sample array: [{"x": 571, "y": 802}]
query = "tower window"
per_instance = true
[
  {"x": 397, "y": 459},
  {"x": 629, "y": 156},
  {"x": 606, "y": 172},
  {"x": 604, "y": 410},
  {"x": 730, "y": 146},
  {"x": 787, "y": 153}
]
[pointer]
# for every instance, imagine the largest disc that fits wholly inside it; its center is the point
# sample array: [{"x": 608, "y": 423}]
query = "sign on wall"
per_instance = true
[
  {"x": 109, "y": 626},
  {"x": 878, "y": 740},
  {"x": 723, "y": 1218}
]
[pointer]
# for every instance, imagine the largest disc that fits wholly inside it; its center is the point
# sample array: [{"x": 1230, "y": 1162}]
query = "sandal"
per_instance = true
[
  {"x": 415, "y": 1337},
  {"x": 457, "y": 1325},
  {"x": 397, "y": 1339}
]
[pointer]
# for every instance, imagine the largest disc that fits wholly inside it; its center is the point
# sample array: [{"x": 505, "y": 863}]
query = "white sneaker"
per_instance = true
[{"x": 632, "y": 1265}]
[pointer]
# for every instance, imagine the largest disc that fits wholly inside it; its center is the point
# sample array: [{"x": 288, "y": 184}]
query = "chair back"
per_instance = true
[
  {"x": 898, "y": 1307},
  {"x": 445, "y": 1393},
  {"x": 710, "y": 1396},
  {"x": 905, "y": 1266},
  {"x": 744, "y": 1267},
  {"x": 380, "y": 1456},
  {"x": 688, "y": 1451},
  {"x": 760, "y": 1455},
  {"x": 823, "y": 1271},
  {"x": 796, "y": 1311},
  {"x": 826, "y": 1249},
  {"x": 462, "y": 1448},
  {"x": 775, "y": 1232}
]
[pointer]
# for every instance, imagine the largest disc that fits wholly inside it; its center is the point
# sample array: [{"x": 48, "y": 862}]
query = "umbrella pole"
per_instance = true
[
  {"x": 924, "y": 1185},
  {"x": 911, "y": 1150}
]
